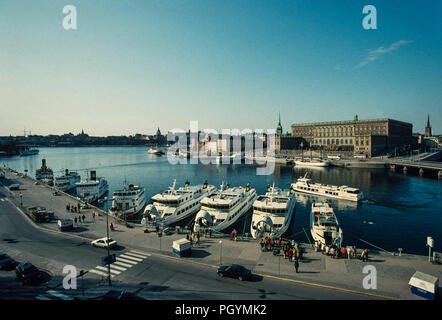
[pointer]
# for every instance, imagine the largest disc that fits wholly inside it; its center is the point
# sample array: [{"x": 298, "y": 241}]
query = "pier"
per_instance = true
[{"x": 316, "y": 270}]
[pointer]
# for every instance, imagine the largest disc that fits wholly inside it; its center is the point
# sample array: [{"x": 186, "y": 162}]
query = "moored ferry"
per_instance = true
[
  {"x": 128, "y": 202},
  {"x": 324, "y": 225},
  {"x": 90, "y": 190},
  {"x": 67, "y": 181},
  {"x": 312, "y": 163},
  {"x": 306, "y": 185},
  {"x": 176, "y": 205},
  {"x": 225, "y": 207},
  {"x": 273, "y": 213},
  {"x": 29, "y": 152},
  {"x": 44, "y": 174}
]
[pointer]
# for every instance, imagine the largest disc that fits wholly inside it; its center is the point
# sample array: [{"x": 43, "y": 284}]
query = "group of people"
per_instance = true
[
  {"x": 73, "y": 208},
  {"x": 290, "y": 249},
  {"x": 336, "y": 251},
  {"x": 80, "y": 219},
  {"x": 194, "y": 238}
]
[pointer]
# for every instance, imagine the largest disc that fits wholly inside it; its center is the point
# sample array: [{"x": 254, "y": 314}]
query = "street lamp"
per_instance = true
[
  {"x": 220, "y": 252},
  {"x": 108, "y": 253}
]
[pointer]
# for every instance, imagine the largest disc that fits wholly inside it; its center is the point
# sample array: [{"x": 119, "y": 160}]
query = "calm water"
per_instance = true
[{"x": 400, "y": 211}]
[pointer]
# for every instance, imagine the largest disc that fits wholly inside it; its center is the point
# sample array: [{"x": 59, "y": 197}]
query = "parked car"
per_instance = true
[
  {"x": 14, "y": 186},
  {"x": 6, "y": 262},
  {"x": 104, "y": 242},
  {"x": 27, "y": 273},
  {"x": 235, "y": 271}
]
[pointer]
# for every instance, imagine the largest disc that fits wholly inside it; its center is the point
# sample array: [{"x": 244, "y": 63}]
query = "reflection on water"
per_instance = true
[{"x": 399, "y": 211}]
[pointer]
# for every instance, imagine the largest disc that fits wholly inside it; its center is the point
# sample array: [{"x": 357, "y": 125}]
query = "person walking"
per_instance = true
[
  {"x": 75, "y": 220},
  {"x": 296, "y": 265},
  {"x": 83, "y": 217}
]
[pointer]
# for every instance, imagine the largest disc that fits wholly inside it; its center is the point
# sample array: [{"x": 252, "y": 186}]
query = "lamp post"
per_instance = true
[
  {"x": 220, "y": 252},
  {"x": 107, "y": 245}
]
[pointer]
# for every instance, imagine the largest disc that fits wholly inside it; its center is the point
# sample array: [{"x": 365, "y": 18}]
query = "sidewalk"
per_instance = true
[{"x": 393, "y": 272}]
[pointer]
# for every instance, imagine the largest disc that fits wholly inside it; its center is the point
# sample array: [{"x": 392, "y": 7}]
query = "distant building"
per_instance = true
[
  {"x": 369, "y": 137},
  {"x": 428, "y": 128},
  {"x": 279, "y": 127}
]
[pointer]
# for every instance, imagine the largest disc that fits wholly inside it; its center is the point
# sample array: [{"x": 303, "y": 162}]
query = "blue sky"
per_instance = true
[{"x": 134, "y": 65}]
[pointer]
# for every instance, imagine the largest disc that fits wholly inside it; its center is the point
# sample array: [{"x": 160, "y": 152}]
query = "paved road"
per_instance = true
[{"x": 152, "y": 276}]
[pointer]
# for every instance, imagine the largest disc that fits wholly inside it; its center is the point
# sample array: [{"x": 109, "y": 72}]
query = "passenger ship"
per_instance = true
[
  {"x": 273, "y": 212},
  {"x": 45, "y": 174},
  {"x": 128, "y": 202},
  {"x": 67, "y": 181},
  {"x": 325, "y": 227},
  {"x": 176, "y": 206},
  {"x": 312, "y": 163},
  {"x": 90, "y": 190},
  {"x": 223, "y": 208},
  {"x": 343, "y": 192}
]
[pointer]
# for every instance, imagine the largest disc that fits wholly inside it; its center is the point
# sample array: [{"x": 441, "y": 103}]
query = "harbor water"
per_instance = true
[{"x": 399, "y": 211}]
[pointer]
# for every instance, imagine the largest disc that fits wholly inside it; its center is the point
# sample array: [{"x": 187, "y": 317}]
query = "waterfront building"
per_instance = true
[{"x": 369, "y": 137}]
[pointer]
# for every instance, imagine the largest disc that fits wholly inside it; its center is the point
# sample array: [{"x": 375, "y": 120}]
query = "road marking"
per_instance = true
[
  {"x": 131, "y": 258},
  {"x": 122, "y": 264},
  {"x": 113, "y": 266},
  {"x": 127, "y": 261},
  {"x": 142, "y": 253},
  {"x": 100, "y": 273},
  {"x": 326, "y": 286},
  {"x": 40, "y": 297},
  {"x": 136, "y": 255},
  {"x": 106, "y": 269},
  {"x": 59, "y": 295}
]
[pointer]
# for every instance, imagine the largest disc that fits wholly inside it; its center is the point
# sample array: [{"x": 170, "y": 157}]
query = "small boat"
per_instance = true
[
  {"x": 67, "y": 181},
  {"x": 29, "y": 152},
  {"x": 306, "y": 185},
  {"x": 222, "y": 209},
  {"x": 273, "y": 213},
  {"x": 128, "y": 202},
  {"x": 156, "y": 151},
  {"x": 91, "y": 190},
  {"x": 44, "y": 174},
  {"x": 325, "y": 227},
  {"x": 312, "y": 163}
]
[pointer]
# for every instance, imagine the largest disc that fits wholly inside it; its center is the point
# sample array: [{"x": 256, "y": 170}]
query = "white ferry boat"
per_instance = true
[
  {"x": 128, "y": 202},
  {"x": 223, "y": 208},
  {"x": 273, "y": 212},
  {"x": 325, "y": 228},
  {"x": 90, "y": 190},
  {"x": 44, "y": 174},
  {"x": 342, "y": 192},
  {"x": 175, "y": 206},
  {"x": 67, "y": 181},
  {"x": 312, "y": 163}
]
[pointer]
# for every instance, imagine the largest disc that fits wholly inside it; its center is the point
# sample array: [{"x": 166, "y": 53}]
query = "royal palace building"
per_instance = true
[{"x": 369, "y": 137}]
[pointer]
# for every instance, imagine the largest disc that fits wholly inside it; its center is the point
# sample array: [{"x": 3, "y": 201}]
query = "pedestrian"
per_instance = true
[
  {"x": 296, "y": 265},
  {"x": 83, "y": 217},
  {"x": 300, "y": 252},
  {"x": 67, "y": 207},
  {"x": 79, "y": 207},
  {"x": 210, "y": 233},
  {"x": 187, "y": 236},
  {"x": 290, "y": 254},
  {"x": 366, "y": 255},
  {"x": 75, "y": 220},
  {"x": 354, "y": 252}
]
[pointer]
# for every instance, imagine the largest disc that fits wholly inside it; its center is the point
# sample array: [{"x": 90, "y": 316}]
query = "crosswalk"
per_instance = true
[{"x": 123, "y": 262}]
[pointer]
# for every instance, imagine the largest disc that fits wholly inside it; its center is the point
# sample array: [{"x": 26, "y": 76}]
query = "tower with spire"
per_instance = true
[
  {"x": 279, "y": 127},
  {"x": 428, "y": 127}
]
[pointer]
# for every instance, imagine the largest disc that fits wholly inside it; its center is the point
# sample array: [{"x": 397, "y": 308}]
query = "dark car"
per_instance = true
[
  {"x": 6, "y": 262},
  {"x": 234, "y": 271},
  {"x": 119, "y": 295},
  {"x": 27, "y": 273}
]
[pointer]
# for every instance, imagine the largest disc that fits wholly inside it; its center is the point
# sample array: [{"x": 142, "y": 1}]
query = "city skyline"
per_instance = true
[{"x": 135, "y": 66}]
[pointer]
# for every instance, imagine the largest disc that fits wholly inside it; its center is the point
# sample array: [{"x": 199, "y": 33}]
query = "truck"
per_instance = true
[
  {"x": 181, "y": 247},
  {"x": 39, "y": 214}
]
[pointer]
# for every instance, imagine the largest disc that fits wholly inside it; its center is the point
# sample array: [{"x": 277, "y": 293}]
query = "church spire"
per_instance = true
[{"x": 428, "y": 121}]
